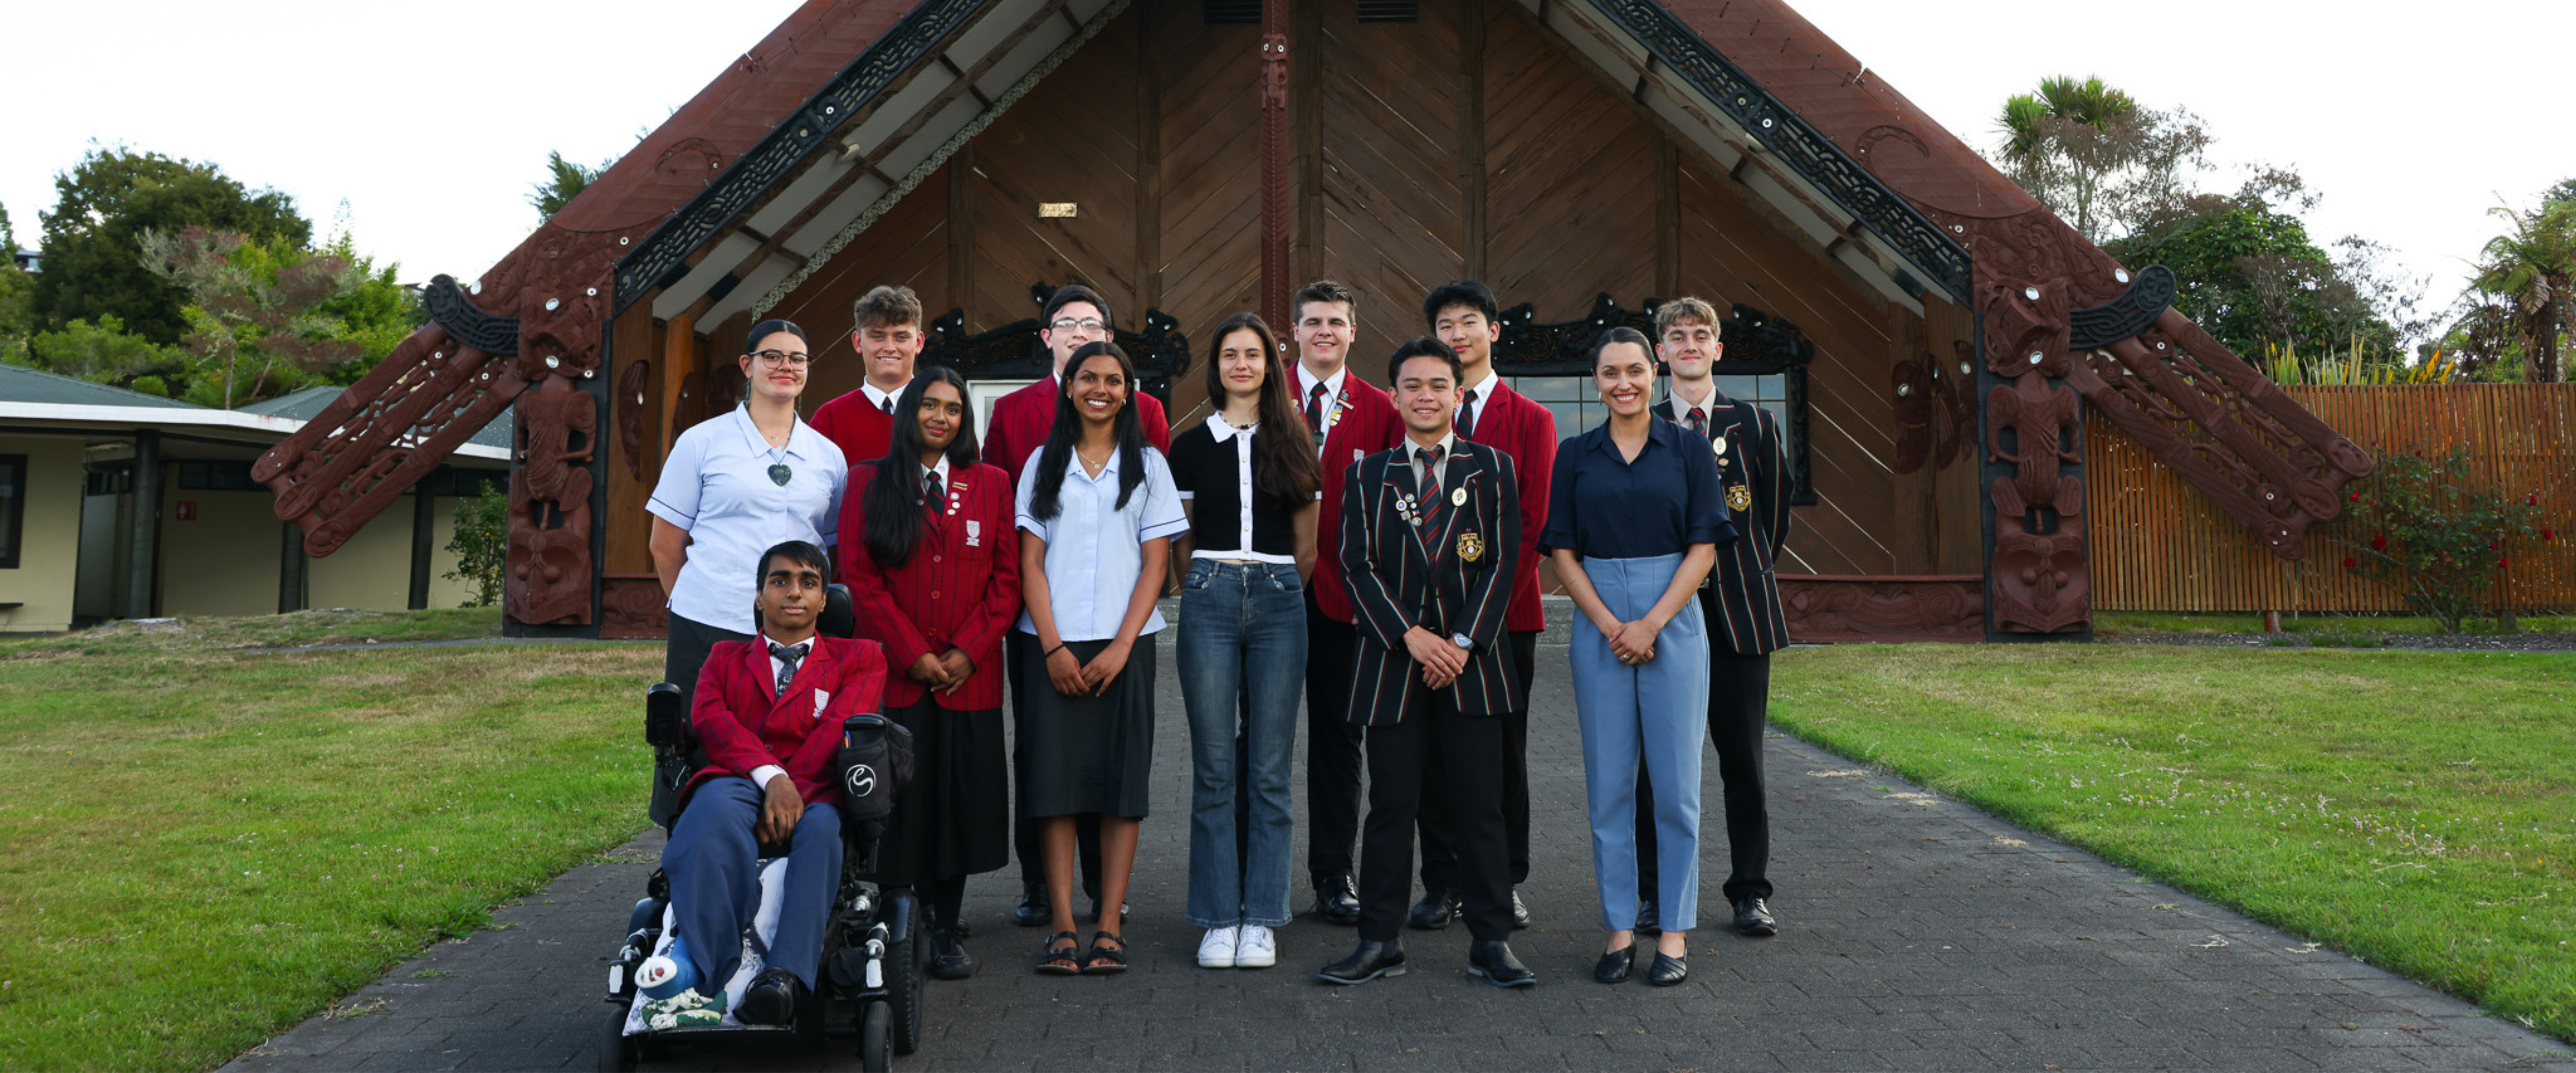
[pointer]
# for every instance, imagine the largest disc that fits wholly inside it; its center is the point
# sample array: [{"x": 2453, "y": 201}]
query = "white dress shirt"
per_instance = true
[
  {"x": 1332, "y": 397},
  {"x": 716, "y": 486},
  {"x": 1706, "y": 407},
  {"x": 1471, "y": 412},
  {"x": 882, "y": 400},
  {"x": 1095, "y": 549},
  {"x": 760, "y": 775}
]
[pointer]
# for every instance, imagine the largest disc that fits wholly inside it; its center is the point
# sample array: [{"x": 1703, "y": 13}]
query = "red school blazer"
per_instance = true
[
  {"x": 742, "y": 725},
  {"x": 961, "y": 588},
  {"x": 856, "y": 426},
  {"x": 1022, "y": 419},
  {"x": 1368, "y": 424},
  {"x": 1525, "y": 430}
]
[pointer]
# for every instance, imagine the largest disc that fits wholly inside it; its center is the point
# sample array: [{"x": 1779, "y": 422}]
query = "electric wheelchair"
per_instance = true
[{"x": 876, "y": 947}]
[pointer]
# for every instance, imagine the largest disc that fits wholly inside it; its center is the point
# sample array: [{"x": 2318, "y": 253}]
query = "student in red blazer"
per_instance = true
[
  {"x": 1074, "y": 316},
  {"x": 1351, "y": 419},
  {"x": 768, "y": 716},
  {"x": 933, "y": 565},
  {"x": 1463, "y": 315},
  {"x": 886, "y": 332},
  {"x": 1022, "y": 419}
]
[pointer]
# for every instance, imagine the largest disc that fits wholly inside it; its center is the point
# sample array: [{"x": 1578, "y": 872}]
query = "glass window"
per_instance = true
[
  {"x": 13, "y": 508},
  {"x": 1578, "y": 409}
]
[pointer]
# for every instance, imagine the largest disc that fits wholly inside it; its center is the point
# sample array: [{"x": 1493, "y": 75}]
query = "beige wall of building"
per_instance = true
[
  {"x": 42, "y": 583},
  {"x": 225, "y": 562}
]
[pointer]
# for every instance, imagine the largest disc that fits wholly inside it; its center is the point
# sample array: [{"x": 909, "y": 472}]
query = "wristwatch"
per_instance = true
[{"x": 1462, "y": 641}]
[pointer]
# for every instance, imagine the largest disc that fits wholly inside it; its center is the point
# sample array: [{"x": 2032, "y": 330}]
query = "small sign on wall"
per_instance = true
[
  {"x": 1056, "y": 210},
  {"x": 187, "y": 510}
]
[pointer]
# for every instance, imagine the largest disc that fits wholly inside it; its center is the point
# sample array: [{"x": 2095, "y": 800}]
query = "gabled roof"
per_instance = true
[{"x": 18, "y": 383}]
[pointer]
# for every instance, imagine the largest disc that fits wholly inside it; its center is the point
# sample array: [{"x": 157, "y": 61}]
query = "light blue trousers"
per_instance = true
[{"x": 1658, "y": 708}]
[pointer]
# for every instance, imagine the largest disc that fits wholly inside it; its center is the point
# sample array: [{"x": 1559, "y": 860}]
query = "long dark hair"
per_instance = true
[
  {"x": 1129, "y": 433},
  {"x": 1283, "y": 455},
  {"x": 894, "y": 515}
]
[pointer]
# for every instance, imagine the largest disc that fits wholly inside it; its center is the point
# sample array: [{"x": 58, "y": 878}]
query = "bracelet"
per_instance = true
[{"x": 1050, "y": 653}]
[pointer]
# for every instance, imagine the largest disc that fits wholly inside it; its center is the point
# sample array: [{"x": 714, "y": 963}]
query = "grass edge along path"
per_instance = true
[
  {"x": 204, "y": 847},
  {"x": 2407, "y": 809}
]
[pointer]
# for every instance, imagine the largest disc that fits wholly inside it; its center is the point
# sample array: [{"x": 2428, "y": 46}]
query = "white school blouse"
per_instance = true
[{"x": 1094, "y": 549}]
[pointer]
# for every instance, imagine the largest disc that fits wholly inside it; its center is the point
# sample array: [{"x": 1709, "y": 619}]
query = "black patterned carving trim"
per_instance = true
[
  {"x": 796, "y": 137},
  {"x": 1012, "y": 352},
  {"x": 1529, "y": 348},
  {"x": 1797, "y": 145},
  {"x": 450, "y": 310},
  {"x": 2146, "y": 299}
]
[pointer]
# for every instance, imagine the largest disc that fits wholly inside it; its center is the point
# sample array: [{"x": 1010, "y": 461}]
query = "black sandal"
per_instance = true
[
  {"x": 1117, "y": 959},
  {"x": 1055, "y": 961}
]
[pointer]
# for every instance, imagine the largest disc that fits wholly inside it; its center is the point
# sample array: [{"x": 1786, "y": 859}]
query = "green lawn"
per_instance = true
[
  {"x": 2117, "y": 623},
  {"x": 2412, "y": 809},
  {"x": 202, "y": 846}
]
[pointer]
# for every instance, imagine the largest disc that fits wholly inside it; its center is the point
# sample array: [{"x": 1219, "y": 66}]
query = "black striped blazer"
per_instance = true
[
  {"x": 1744, "y": 591},
  {"x": 1395, "y": 585}
]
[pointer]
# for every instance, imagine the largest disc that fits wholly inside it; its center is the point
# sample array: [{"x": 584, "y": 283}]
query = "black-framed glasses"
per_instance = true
[
  {"x": 1088, "y": 324},
  {"x": 783, "y": 359}
]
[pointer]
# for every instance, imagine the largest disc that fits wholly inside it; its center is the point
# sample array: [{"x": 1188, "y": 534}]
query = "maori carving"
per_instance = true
[
  {"x": 449, "y": 309},
  {"x": 631, "y": 386},
  {"x": 2044, "y": 428},
  {"x": 2147, "y": 298},
  {"x": 1530, "y": 348},
  {"x": 631, "y": 607},
  {"x": 1829, "y": 609},
  {"x": 549, "y": 575},
  {"x": 1013, "y": 352},
  {"x": 2042, "y": 583},
  {"x": 1935, "y": 409}
]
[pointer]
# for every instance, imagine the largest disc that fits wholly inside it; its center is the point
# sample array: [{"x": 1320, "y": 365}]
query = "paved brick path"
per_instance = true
[{"x": 1918, "y": 933}]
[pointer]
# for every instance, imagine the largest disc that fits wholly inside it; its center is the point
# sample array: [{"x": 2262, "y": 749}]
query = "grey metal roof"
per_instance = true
[
  {"x": 18, "y": 383},
  {"x": 303, "y": 405}
]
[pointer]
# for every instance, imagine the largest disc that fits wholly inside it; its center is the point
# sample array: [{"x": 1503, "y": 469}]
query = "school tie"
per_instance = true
[
  {"x": 887, "y": 406},
  {"x": 788, "y": 656},
  {"x": 1427, "y": 524},
  {"x": 1697, "y": 419},
  {"x": 930, "y": 489},
  {"x": 1315, "y": 407},
  {"x": 1467, "y": 418}
]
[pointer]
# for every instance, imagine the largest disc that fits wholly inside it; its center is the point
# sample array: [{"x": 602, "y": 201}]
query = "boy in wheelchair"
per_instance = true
[{"x": 768, "y": 717}]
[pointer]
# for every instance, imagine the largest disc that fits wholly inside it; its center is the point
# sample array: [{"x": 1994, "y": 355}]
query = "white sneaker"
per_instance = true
[
  {"x": 1217, "y": 950},
  {"x": 1256, "y": 949},
  {"x": 688, "y": 1009}
]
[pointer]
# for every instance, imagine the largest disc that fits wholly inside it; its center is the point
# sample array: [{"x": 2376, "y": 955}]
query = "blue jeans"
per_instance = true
[{"x": 1242, "y": 639}]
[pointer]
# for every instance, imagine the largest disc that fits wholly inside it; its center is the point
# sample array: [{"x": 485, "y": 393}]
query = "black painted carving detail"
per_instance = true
[
  {"x": 1012, "y": 352},
  {"x": 1529, "y": 348},
  {"x": 449, "y": 309},
  {"x": 797, "y": 136},
  {"x": 2147, "y": 298},
  {"x": 1788, "y": 137}
]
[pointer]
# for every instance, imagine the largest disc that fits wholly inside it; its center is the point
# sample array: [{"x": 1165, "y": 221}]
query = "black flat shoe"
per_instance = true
[
  {"x": 771, "y": 999},
  {"x": 1615, "y": 966},
  {"x": 1056, "y": 960},
  {"x": 1647, "y": 922},
  {"x": 1667, "y": 971},
  {"x": 1520, "y": 913},
  {"x": 1753, "y": 917},
  {"x": 948, "y": 957},
  {"x": 1034, "y": 908},
  {"x": 1434, "y": 912},
  {"x": 1493, "y": 960},
  {"x": 1338, "y": 902},
  {"x": 1370, "y": 961}
]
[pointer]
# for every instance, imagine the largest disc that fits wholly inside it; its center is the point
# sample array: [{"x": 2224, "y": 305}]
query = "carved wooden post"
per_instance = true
[{"x": 1275, "y": 162}]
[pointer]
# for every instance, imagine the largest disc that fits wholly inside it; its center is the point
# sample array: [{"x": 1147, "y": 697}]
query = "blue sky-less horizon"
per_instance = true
[{"x": 433, "y": 123}]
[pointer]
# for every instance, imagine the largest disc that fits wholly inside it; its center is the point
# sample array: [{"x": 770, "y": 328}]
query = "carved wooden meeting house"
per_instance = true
[{"x": 1934, "y": 340}]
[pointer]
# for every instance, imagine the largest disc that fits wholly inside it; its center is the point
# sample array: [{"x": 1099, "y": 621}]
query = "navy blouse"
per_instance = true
[{"x": 1603, "y": 506}]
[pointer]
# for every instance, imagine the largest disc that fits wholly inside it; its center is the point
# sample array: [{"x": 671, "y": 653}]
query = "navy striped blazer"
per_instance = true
[
  {"x": 1744, "y": 587},
  {"x": 1394, "y": 584}
]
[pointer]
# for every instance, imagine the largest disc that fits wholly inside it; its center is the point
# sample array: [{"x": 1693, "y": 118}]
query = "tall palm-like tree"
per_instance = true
[
  {"x": 2531, "y": 270},
  {"x": 2066, "y": 141}
]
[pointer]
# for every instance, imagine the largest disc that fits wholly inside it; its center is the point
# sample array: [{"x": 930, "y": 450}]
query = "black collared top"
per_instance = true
[{"x": 1603, "y": 506}]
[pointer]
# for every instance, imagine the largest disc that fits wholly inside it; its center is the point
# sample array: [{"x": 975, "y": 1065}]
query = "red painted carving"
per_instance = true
[
  {"x": 631, "y": 386},
  {"x": 632, "y": 607},
  {"x": 1276, "y": 160},
  {"x": 549, "y": 576},
  {"x": 1934, "y": 407},
  {"x": 2041, "y": 583},
  {"x": 1827, "y": 609}
]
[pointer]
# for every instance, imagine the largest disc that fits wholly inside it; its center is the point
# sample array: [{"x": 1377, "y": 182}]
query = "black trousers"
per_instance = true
[
  {"x": 1739, "y": 701},
  {"x": 1333, "y": 748},
  {"x": 1439, "y": 845},
  {"x": 1464, "y": 756},
  {"x": 1024, "y": 833}
]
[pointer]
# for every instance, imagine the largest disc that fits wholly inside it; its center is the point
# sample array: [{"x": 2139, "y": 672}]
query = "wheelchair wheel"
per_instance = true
[
  {"x": 875, "y": 1055},
  {"x": 618, "y": 1052},
  {"x": 906, "y": 967}
]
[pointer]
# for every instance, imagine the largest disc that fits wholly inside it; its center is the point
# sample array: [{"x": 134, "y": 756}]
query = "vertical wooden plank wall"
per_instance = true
[{"x": 2159, "y": 546}]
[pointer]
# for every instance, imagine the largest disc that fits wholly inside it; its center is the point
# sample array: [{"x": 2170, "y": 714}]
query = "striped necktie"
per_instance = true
[{"x": 1427, "y": 520}]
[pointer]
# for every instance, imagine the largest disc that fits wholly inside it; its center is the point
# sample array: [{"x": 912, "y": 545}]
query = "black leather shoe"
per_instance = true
[
  {"x": 1668, "y": 970},
  {"x": 1615, "y": 966},
  {"x": 1035, "y": 908},
  {"x": 771, "y": 999},
  {"x": 1646, "y": 922},
  {"x": 1520, "y": 913},
  {"x": 1493, "y": 960},
  {"x": 948, "y": 957},
  {"x": 1370, "y": 961},
  {"x": 1752, "y": 917},
  {"x": 1434, "y": 912},
  {"x": 960, "y": 926},
  {"x": 1338, "y": 901}
]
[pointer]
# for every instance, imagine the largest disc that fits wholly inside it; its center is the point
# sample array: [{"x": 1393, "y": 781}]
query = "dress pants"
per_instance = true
[
  {"x": 1739, "y": 701},
  {"x": 1025, "y": 838},
  {"x": 715, "y": 882},
  {"x": 684, "y": 654},
  {"x": 1402, "y": 758},
  {"x": 1333, "y": 748},
  {"x": 1439, "y": 847},
  {"x": 1645, "y": 714}
]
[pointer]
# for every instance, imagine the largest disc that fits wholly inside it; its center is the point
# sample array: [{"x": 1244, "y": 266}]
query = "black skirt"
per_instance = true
[
  {"x": 955, "y": 818},
  {"x": 1087, "y": 754}
]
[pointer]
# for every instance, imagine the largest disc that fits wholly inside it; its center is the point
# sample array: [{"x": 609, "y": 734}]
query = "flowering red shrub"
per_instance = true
[{"x": 2437, "y": 538}]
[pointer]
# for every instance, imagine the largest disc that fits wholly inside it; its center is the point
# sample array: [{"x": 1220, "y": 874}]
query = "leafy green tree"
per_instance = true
[
  {"x": 481, "y": 544},
  {"x": 2095, "y": 157},
  {"x": 564, "y": 180},
  {"x": 252, "y": 303},
  {"x": 104, "y": 352},
  {"x": 2251, "y": 275},
  {"x": 17, "y": 297},
  {"x": 105, "y": 204},
  {"x": 2528, "y": 276}
]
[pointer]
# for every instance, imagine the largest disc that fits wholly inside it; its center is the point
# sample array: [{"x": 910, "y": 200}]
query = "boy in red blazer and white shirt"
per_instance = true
[
  {"x": 886, "y": 331},
  {"x": 768, "y": 716}
]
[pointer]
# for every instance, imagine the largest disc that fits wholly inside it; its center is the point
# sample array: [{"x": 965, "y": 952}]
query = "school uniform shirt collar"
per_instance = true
[
  {"x": 1225, "y": 431},
  {"x": 941, "y": 470},
  {"x": 1707, "y": 407},
  {"x": 1332, "y": 384},
  {"x": 1073, "y": 466},
  {"x": 1485, "y": 390},
  {"x": 800, "y": 436},
  {"x": 1666, "y": 433},
  {"x": 1448, "y": 446},
  {"x": 882, "y": 399}
]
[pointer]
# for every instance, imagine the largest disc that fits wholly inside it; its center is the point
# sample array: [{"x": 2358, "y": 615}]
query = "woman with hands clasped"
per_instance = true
[
  {"x": 1633, "y": 523},
  {"x": 1098, "y": 509},
  {"x": 933, "y": 565}
]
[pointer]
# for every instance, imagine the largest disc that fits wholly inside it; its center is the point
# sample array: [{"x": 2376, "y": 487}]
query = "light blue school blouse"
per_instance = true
[
  {"x": 1094, "y": 551},
  {"x": 716, "y": 485}
]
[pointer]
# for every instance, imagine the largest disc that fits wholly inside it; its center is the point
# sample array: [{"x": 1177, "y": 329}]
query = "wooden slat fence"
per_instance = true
[{"x": 2158, "y": 545}]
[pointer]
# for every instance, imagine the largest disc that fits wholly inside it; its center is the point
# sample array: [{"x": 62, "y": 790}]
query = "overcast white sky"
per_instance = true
[{"x": 432, "y": 121}]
